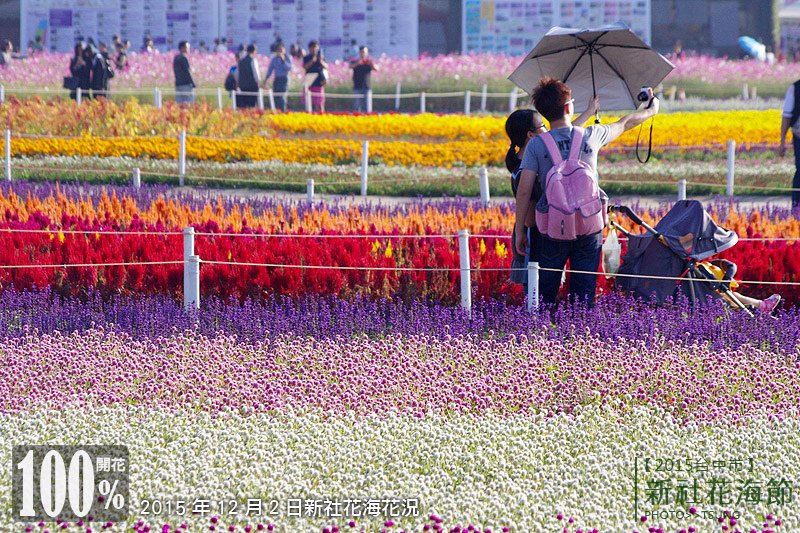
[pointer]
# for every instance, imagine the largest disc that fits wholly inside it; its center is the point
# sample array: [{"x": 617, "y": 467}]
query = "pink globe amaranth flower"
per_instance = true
[
  {"x": 643, "y": 519},
  {"x": 692, "y": 510},
  {"x": 260, "y": 527},
  {"x": 352, "y": 523},
  {"x": 214, "y": 519},
  {"x": 388, "y": 523},
  {"x": 559, "y": 516},
  {"x": 231, "y": 528}
]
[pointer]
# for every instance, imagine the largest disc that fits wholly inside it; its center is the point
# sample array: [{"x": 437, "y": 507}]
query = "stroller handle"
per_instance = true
[{"x": 624, "y": 209}]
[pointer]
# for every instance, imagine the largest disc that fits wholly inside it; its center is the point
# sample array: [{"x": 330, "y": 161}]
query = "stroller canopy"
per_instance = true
[{"x": 690, "y": 234}]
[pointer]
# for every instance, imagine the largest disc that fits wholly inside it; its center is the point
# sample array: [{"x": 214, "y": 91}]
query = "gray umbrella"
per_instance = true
[{"x": 610, "y": 62}]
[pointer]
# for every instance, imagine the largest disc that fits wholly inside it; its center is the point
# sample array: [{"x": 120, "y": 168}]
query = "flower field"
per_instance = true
[
  {"x": 362, "y": 246},
  {"x": 707, "y": 76},
  {"x": 329, "y": 363}
]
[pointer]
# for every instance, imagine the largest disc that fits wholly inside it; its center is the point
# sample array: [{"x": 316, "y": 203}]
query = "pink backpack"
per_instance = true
[{"x": 573, "y": 204}]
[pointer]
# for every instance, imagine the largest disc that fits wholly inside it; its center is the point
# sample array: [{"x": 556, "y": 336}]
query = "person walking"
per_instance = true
[
  {"x": 363, "y": 67},
  {"x": 248, "y": 78},
  {"x": 281, "y": 65},
  {"x": 789, "y": 120},
  {"x": 314, "y": 63},
  {"x": 184, "y": 83},
  {"x": 553, "y": 99}
]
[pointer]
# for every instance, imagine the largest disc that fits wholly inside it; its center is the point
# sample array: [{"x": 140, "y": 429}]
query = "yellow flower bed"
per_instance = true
[
  {"x": 332, "y": 151},
  {"x": 131, "y": 119}
]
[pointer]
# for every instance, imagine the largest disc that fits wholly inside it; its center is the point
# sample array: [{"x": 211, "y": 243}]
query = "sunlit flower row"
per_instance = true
[{"x": 133, "y": 120}]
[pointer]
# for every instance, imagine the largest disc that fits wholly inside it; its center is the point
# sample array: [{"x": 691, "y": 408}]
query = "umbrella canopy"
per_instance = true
[{"x": 610, "y": 62}]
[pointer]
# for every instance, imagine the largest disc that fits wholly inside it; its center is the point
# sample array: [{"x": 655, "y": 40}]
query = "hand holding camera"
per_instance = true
[{"x": 646, "y": 95}]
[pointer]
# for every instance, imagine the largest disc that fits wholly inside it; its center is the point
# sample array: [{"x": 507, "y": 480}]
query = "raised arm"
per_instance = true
[
  {"x": 632, "y": 120},
  {"x": 583, "y": 118}
]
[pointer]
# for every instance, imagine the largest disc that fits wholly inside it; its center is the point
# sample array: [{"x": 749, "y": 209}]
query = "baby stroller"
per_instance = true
[{"x": 678, "y": 247}]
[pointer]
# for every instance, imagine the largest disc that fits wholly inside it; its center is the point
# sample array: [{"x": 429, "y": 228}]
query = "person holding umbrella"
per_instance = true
[{"x": 553, "y": 99}]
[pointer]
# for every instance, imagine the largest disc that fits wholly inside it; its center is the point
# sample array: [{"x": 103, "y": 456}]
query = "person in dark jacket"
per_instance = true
[
  {"x": 101, "y": 73},
  {"x": 79, "y": 69},
  {"x": 248, "y": 78},
  {"x": 184, "y": 83}
]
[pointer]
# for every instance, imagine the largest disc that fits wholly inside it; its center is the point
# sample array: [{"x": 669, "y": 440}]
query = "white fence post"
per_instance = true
[
  {"x": 483, "y": 183},
  {"x": 8, "y": 155},
  {"x": 136, "y": 178},
  {"x": 483, "y": 97},
  {"x": 260, "y": 99},
  {"x": 191, "y": 272},
  {"x": 309, "y": 107},
  {"x": 466, "y": 279},
  {"x": 78, "y": 95},
  {"x": 219, "y": 98},
  {"x": 369, "y": 100},
  {"x": 397, "y": 97},
  {"x": 533, "y": 286},
  {"x": 512, "y": 100},
  {"x": 754, "y": 93},
  {"x": 2, "y": 94},
  {"x": 233, "y": 100},
  {"x": 364, "y": 166},
  {"x": 467, "y": 102},
  {"x": 681, "y": 190},
  {"x": 422, "y": 102},
  {"x": 182, "y": 158},
  {"x": 731, "y": 161},
  {"x": 745, "y": 94},
  {"x": 271, "y": 98},
  {"x": 310, "y": 189},
  {"x": 157, "y": 98}
]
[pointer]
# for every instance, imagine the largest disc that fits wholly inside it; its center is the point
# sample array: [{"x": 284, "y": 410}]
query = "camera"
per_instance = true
[{"x": 644, "y": 94}]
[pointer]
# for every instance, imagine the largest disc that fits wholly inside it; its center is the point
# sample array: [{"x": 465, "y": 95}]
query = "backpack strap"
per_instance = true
[
  {"x": 552, "y": 149},
  {"x": 575, "y": 146}
]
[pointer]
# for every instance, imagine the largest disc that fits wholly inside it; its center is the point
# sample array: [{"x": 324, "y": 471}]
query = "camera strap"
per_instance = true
[{"x": 650, "y": 142}]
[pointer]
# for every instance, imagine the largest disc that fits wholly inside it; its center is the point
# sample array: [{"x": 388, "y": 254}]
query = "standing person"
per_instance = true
[
  {"x": 791, "y": 112},
  {"x": 314, "y": 63},
  {"x": 553, "y": 99},
  {"x": 6, "y": 52},
  {"x": 85, "y": 73},
  {"x": 148, "y": 47},
  {"x": 521, "y": 126},
  {"x": 184, "y": 83},
  {"x": 101, "y": 72},
  {"x": 248, "y": 78},
  {"x": 281, "y": 65},
  {"x": 220, "y": 45},
  {"x": 121, "y": 61},
  {"x": 363, "y": 67},
  {"x": 77, "y": 66}
]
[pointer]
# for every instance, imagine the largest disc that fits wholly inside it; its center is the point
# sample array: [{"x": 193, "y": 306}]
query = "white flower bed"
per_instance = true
[{"x": 484, "y": 470}]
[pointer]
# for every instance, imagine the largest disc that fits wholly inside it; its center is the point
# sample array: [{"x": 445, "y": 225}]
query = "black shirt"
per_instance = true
[
  {"x": 315, "y": 67},
  {"x": 180, "y": 65},
  {"x": 361, "y": 75}
]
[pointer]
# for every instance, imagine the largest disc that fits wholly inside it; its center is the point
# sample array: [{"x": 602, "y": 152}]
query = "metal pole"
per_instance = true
[
  {"x": 8, "y": 155},
  {"x": 533, "y": 285},
  {"x": 731, "y": 161},
  {"x": 483, "y": 97},
  {"x": 156, "y": 98},
  {"x": 271, "y": 98},
  {"x": 466, "y": 281},
  {"x": 364, "y": 166},
  {"x": 137, "y": 178},
  {"x": 309, "y": 108},
  {"x": 397, "y": 97},
  {"x": 369, "y": 100},
  {"x": 483, "y": 183},
  {"x": 422, "y": 102},
  {"x": 2, "y": 94},
  {"x": 219, "y": 98},
  {"x": 681, "y": 190},
  {"x": 78, "y": 96},
  {"x": 191, "y": 271},
  {"x": 310, "y": 189},
  {"x": 191, "y": 297},
  {"x": 467, "y": 102},
  {"x": 233, "y": 100},
  {"x": 182, "y": 158},
  {"x": 512, "y": 100},
  {"x": 261, "y": 99}
]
